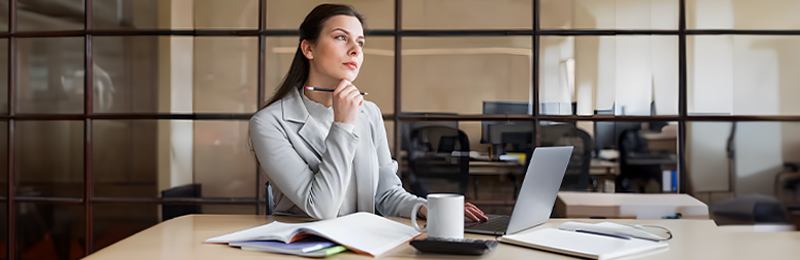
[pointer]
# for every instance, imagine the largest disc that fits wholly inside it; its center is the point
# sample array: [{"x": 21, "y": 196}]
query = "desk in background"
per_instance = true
[
  {"x": 628, "y": 205},
  {"x": 605, "y": 172},
  {"x": 182, "y": 238}
]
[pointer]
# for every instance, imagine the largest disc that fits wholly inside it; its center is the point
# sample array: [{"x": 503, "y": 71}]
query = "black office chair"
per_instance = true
[
  {"x": 430, "y": 156},
  {"x": 633, "y": 177},
  {"x": 185, "y": 191},
  {"x": 576, "y": 177}
]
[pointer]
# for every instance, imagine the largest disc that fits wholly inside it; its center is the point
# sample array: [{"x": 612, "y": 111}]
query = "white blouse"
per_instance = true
[{"x": 323, "y": 117}]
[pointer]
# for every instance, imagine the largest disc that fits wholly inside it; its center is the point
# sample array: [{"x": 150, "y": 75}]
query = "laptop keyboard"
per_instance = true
[{"x": 495, "y": 222}]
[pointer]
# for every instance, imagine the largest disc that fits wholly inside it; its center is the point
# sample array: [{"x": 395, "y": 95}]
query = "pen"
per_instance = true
[
  {"x": 602, "y": 234},
  {"x": 329, "y": 90}
]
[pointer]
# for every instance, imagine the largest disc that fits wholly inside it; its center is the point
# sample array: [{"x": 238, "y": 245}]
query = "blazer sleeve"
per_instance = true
[
  {"x": 319, "y": 194},
  {"x": 390, "y": 199}
]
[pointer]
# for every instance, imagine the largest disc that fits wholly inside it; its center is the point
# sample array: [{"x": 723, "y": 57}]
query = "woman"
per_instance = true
[{"x": 326, "y": 153}]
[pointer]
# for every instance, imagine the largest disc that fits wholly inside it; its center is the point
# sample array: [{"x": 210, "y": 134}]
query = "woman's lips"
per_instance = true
[{"x": 351, "y": 65}]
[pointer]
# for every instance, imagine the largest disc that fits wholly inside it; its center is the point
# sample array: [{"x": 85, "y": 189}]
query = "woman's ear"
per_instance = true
[{"x": 305, "y": 46}]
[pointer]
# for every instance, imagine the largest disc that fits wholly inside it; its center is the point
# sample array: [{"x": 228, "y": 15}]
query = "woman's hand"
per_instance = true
[
  {"x": 470, "y": 211},
  {"x": 346, "y": 101},
  {"x": 474, "y": 213}
]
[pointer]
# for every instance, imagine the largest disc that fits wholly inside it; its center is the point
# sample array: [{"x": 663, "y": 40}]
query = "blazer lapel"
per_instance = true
[
  {"x": 365, "y": 165},
  {"x": 295, "y": 111}
]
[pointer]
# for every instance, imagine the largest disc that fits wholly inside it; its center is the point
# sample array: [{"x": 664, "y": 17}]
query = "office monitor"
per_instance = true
[{"x": 500, "y": 108}]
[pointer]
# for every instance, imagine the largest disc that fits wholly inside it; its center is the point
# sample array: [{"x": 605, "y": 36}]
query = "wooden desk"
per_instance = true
[{"x": 182, "y": 238}]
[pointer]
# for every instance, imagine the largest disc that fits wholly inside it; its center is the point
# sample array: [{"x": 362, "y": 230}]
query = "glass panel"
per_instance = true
[
  {"x": 225, "y": 74},
  {"x": 4, "y": 231},
  {"x": 126, "y": 74},
  {"x": 138, "y": 14},
  {"x": 609, "y": 14},
  {"x": 223, "y": 162},
  {"x": 173, "y": 159},
  {"x": 144, "y": 14},
  {"x": 643, "y": 153},
  {"x": 229, "y": 209},
  {"x": 620, "y": 75},
  {"x": 3, "y": 76},
  {"x": 3, "y": 159},
  {"x": 114, "y": 222},
  {"x": 219, "y": 72},
  {"x": 50, "y": 75},
  {"x": 61, "y": 15},
  {"x": 375, "y": 77},
  {"x": 289, "y": 14},
  {"x": 433, "y": 160},
  {"x": 49, "y": 158},
  {"x": 50, "y": 231},
  {"x": 4, "y": 28},
  {"x": 237, "y": 14},
  {"x": 125, "y": 157},
  {"x": 753, "y": 153},
  {"x": 742, "y": 15},
  {"x": 743, "y": 75},
  {"x": 458, "y": 68},
  {"x": 467, "y": 14}
]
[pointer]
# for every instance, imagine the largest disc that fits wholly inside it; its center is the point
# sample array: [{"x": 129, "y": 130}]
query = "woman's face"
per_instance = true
[{"x": 337, "y": 54}]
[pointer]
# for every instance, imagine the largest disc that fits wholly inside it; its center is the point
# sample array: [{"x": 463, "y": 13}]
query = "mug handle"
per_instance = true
[{"x": 414, "y": 211}]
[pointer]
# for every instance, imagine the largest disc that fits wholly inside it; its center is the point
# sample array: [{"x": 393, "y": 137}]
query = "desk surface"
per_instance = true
[{"x": 182, "y": 238}]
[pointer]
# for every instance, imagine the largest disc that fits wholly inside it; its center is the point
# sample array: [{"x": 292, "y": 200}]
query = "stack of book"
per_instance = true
[
  {"x": 362, "y": 233},
  {"x": 308, "y": 246}
]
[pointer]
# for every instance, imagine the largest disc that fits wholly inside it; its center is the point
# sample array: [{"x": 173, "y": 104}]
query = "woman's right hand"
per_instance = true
[{"x": 346, "y": 101}]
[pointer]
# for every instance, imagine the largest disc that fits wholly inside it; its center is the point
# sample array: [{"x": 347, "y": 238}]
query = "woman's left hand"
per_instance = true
[{"x": 470, "y": 211}]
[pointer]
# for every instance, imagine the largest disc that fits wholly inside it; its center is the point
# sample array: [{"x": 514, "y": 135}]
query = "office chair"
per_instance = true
[
  {"x": 270, "y": 202},
  {"x": 633, "y": 177},
  {"x": 576, "y": 177},
  {"x": 185, "y": 191},
  {"x": 430, "y": 156}
]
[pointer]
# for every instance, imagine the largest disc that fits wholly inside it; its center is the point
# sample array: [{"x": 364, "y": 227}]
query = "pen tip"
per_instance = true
[{"x": 309, "y": 88}]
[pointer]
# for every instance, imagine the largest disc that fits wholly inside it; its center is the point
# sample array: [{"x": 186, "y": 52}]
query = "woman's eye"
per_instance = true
[
  {"x": 361, "y": 43},
  {"x": 341, "y": 37}
]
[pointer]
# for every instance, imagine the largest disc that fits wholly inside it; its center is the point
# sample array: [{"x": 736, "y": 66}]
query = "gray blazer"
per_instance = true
[{"x": 310, "y": 173}]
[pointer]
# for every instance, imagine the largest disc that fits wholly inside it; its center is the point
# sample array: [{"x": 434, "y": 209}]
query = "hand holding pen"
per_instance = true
[{"x": 346, "y": 101}]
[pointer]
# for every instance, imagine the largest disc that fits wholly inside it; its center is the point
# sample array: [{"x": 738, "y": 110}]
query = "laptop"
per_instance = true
[{"x": 536, "y": 197}]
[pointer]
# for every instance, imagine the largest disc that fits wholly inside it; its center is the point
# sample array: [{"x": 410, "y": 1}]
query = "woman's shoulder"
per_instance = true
[
  {"x": 371, "y": 108},
  {"x": 272, "y": 112}
]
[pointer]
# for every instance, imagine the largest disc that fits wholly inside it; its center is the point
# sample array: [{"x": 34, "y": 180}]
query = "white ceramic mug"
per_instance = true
[{"x": 445, "y": 215}]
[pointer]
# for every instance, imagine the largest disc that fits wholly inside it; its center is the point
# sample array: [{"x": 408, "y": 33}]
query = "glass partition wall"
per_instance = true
[{"x": 119, "y": 114}]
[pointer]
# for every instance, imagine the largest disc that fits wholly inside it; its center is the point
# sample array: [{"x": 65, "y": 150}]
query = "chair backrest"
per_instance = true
[
  {"x": 185, "y": 191},
  {"x": 577, "y": 175},
  {"x": 430, "y": 155}
]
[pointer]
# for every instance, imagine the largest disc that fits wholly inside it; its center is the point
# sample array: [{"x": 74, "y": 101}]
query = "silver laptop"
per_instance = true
[{"x": 536, "y": 197}]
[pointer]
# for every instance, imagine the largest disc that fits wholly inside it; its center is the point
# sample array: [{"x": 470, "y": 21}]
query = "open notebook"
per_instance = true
[
  {"x": 364, "y": 233},
  {"x": 584, "y": 245}
]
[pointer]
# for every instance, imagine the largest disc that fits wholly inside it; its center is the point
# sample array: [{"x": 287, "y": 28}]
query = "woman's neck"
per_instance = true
[{"x": 322, "y": 97}]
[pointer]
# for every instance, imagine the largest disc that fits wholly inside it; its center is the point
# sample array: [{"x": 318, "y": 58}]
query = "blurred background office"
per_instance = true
[{"x": 467, "y": 87}]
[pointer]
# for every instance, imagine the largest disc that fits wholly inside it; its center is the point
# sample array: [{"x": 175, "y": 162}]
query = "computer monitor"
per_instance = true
[
  {"x": 499, "y": 133},
  {"x": 501, "y": 108}
]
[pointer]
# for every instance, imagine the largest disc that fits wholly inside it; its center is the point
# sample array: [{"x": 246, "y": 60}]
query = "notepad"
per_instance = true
[
  {"x": 364, "y": 233},
  {"x": 582, "y": 244}
]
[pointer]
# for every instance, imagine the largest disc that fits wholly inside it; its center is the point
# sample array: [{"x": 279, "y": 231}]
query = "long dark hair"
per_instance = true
[{"x": 309, "y": 30}]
